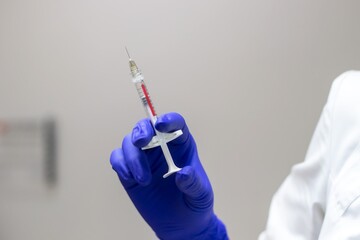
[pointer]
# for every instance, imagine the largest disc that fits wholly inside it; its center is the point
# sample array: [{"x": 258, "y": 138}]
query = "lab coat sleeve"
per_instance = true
[
  {"x": 300, "y": 205},
  {"x": 342, "y": 215}
]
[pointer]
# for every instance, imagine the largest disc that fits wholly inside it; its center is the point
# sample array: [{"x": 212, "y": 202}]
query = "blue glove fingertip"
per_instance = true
[
  {"x": 142, "y": 133},
  {"x": 161, "y": 124},
  {"x": 115, "y": 159},
  {"x": 184, "y": 178},
  {"x": 136, "y": 161},
  {"x": 170, "y": 122},
  {"x": 119, "y": 166}
]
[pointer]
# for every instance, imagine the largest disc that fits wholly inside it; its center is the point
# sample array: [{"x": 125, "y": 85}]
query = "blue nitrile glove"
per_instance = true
[{"x": 179, "y": 207}]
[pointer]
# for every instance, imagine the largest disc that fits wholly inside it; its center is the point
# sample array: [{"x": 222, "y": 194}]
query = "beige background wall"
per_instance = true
[{"x": 250, "y": 77}]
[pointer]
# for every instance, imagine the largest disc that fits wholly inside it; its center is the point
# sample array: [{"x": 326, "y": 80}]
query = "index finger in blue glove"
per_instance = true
[
  {"x": 142, "y": 133},
  {"x": 171, "y": 122}
]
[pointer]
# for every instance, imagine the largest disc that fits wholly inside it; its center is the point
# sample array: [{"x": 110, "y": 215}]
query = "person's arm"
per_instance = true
[
  {"x": 342, "y": 215},
  {"x": 320, "y": 199},
  {"x": 178, "y": 207}
]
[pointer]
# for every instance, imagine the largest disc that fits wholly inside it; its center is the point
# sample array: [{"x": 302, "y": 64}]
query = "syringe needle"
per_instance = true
[{"x": 127, "y": 52}]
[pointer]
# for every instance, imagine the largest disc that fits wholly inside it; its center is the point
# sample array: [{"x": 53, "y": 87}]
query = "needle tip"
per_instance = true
[{"x": 127, "y": 52}]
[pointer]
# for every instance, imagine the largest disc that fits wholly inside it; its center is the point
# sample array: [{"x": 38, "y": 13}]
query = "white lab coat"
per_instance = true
[{"x": 320, "y": 199}]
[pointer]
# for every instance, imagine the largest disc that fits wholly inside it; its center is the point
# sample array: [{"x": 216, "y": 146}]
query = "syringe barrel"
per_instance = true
[{"x": 145, "y": 97}]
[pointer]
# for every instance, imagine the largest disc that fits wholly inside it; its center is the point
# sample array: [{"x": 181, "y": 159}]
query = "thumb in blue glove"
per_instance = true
[{"x": 180, "y": 206}]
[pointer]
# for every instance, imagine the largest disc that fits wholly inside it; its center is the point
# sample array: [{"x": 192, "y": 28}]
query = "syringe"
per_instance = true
[{"x": 160, "y": 139}]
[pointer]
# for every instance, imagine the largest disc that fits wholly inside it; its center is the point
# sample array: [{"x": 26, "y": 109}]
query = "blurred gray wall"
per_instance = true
[{"x": 250, "y": 77}]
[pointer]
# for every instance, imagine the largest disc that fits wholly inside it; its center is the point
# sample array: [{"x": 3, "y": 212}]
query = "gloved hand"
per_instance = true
[{"x": 179, "y": 207}]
